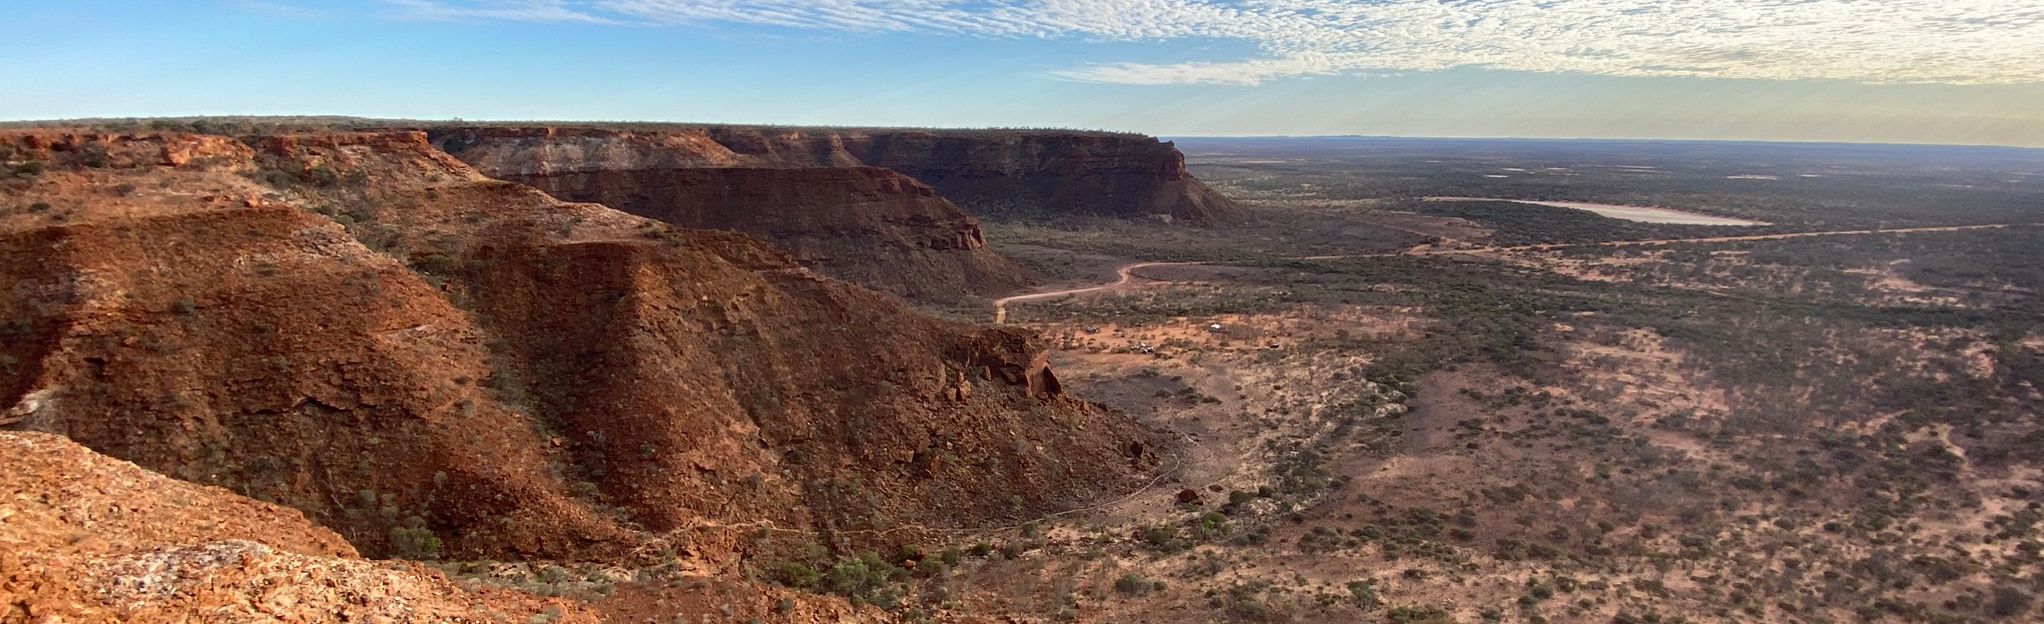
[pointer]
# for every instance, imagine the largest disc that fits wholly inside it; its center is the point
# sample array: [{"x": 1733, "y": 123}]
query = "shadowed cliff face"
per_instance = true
[
  {"x": 873, "y": 227},
  {"x": 367, "y": 329},
  {"x": 990, "y": 174},
  {"x": 1050, "y": 175}
]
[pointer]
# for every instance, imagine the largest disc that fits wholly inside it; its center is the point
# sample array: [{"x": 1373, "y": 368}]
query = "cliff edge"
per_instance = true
[{"x": 1003, "y": 174}]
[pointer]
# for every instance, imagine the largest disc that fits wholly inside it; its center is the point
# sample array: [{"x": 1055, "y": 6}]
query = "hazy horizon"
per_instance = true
[
  {"x": 1159, "y": 135},
  {"x": 1908, "y": 72}
]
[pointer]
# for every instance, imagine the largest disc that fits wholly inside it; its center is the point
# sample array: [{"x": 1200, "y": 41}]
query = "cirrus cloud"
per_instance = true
[{"x": 1873, "y": 41}]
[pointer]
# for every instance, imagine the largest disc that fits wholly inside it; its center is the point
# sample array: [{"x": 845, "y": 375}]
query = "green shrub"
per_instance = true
[
  {"x": 1364, "y": 594},
  {"x": 1132, "y": 584},
  {"x": 1236, "y": 499},
  {"x": 864, "y": 578},
  {"x": 1244, "y": 603},
  {"x": 867, "y": 578},
  {"x": 1419, "y": 615},
  {"x": 1211, "y": 525},
  {"x": 1163, "y": 537},
  {"x": 414, "y": 540},
  {"x": 795, "y": 574}
]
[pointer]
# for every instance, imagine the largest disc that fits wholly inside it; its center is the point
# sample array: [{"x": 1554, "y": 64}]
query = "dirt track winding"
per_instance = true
[{"x": 1125, "y": 274}]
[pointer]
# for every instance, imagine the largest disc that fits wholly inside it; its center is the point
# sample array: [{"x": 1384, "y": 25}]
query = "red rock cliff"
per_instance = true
[
  {"x": 990, "y": 173},
  {"x": 873, "y": 227},
  {"x": 364, "y": 328}
]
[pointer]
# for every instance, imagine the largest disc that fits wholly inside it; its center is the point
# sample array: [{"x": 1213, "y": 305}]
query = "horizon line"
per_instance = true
[
  {"x": 1600, "y": 139},
  {"x": 29, "y": 123}
]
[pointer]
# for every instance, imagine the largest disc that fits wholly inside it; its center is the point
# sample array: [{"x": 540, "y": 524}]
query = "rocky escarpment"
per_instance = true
[
  {"x": 365, "y": 328},
  {"x": 873, "y": 227},
  {"x": 989, "y": 173}
]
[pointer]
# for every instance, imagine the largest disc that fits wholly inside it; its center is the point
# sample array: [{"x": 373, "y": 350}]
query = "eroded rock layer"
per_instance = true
[
  {"x": 869, "y": 226},
  {"x": 367, "y": 329}
]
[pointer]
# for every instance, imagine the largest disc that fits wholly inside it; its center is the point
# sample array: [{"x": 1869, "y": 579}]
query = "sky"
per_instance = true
[{"x": 1910, "y": 71}]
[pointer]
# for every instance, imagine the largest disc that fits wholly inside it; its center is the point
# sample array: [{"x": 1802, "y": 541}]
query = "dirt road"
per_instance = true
[{"x": 1125, "y": 274}]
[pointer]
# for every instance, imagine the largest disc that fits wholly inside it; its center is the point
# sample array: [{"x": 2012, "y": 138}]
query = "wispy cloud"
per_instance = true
[
  {"x": 509, "y": 10},
  {"x": 1877, "y": 41},
  {"x": 1249, "y": 72}
]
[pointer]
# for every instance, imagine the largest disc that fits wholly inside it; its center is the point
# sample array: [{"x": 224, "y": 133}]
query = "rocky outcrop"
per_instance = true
[
  {"x": 364, "y": 328},
  {"x": 103, "y": 150},
  {"x": 989, "y": 173},
  {"x": 87, "y": 538},
  {"x": 873, "y": 227}
]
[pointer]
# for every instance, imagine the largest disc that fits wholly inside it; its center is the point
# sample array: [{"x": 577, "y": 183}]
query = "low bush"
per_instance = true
[
  {"x": 1133, "y": 584},
  {"x": 415, "y": 540}
]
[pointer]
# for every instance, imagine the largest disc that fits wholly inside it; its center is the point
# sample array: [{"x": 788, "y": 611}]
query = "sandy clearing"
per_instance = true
[{"x": 1642, "y": 214}]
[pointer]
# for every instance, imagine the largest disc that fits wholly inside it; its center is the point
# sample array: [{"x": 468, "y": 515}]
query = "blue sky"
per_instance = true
[{"x": 1929, "y": 71}]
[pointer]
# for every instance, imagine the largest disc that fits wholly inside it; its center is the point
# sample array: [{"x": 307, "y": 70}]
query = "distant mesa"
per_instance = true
[{"x": 993, "y": 174}]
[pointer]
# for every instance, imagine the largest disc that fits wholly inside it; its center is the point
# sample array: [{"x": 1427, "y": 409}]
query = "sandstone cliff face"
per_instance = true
[
  {"x": 991, "y": 173},
  {"x": 873, "y": 227},
  {"x": 386, "y": 339}
]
